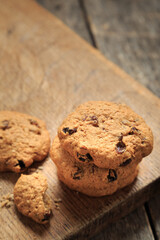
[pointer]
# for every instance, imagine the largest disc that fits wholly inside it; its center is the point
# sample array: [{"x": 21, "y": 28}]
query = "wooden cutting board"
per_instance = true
[{"x": 46, "y": 70}]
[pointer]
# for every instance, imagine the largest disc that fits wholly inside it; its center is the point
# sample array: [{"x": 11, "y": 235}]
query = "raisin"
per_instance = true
[
  {"x": 46, "y": 217},
  {"x": 133, "y": 130},
  {"x": 94, "y": 121},
  {"x": 21, "y": 164},
  {"x": 143, "y": 141},
  {"x": 84, "y": 158},
  {"x": 112, "y": 176},
  {"x": 36, "y": 131},
  {"x": 70, "y": 131},
  {"x": 84, "y": 118},
  {"x": 120, "y": 137},
  {"x": 65, "y": 130},
  {"x": 93, "y": 168},
  {"x": 125, "y": 163},
  {"x": 34, "y": 122},
  {"x": 5, "y": 125},
  {"x": 120, "y": 147},
  {"x": 93, "y": 118},
  {"x": 78, "y": 174}
]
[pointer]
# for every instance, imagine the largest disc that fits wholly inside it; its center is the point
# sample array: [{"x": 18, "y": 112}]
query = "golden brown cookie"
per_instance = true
[
  {"x": 23, "y": 140},
  {"x": 106, "y": 134},
  {"x": 30, "y": 197},
  {"x": 88, "y": 178}
]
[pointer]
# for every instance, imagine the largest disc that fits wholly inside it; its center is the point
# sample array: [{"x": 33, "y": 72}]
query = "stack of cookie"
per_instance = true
[{"x": 99, "y": 146}]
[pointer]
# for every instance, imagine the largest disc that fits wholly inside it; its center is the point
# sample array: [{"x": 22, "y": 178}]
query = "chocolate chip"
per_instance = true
[
  {"x": 46, "y": 217},
  {"x": 120, "y": 147},
  {"x": 84, "y": 158},
  {"x": 112, "y": 176},
  {"x": 5, "y": 125},
  {"x": 34, "y": 122},
  {"x": 125, "y": 163},
  {"x": 70, "y": 131},
  {"x": 21, "y": 164},
  {"x": 133, "y": 130},
  {"x": 78, "y": 174}
]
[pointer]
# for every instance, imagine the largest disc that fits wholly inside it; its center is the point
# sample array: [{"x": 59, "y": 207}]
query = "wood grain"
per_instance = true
[
  {"x": 134, "y": 226},
  {"x": 118, "y": 229},
  {"x": 154, "y": 208},
  {"x": 127, "y": 32},
  {"x": 70, "y": 13},
  {"x": 47, "y": 73}
]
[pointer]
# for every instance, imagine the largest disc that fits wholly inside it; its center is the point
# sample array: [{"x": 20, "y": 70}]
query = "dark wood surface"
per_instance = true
[
  {"x": 39, "y": 50},
  {"x": 128, "y": 33}
]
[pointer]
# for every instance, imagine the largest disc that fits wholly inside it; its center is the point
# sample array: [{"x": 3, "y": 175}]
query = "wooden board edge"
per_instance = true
[{"x": 99, "y": 224}]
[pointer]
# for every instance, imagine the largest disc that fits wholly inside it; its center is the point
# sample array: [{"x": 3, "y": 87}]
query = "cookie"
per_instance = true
[
  {"x": 23, "y": 140},
  {"x": 30, "y": 197},
  {"x": 88, "y": 178},
  {"x": 106, "y": 134}
]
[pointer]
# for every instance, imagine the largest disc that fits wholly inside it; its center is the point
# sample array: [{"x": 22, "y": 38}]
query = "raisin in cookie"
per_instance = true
[
  {"x": 23, "y": 140},
  {"x": 106, "y": 134},
  {"x": 88, "y": 178},
  {"x": 30, "y": 197}
]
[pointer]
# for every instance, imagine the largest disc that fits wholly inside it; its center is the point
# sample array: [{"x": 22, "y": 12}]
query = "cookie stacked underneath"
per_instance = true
[{"x": 99, "y": 146}]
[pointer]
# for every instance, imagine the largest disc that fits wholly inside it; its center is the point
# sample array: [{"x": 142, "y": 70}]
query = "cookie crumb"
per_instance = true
[
  {"x": 57, "y": 206},
  {"x": 6, "y": 200},
  {"x": 57, "y": 200},
  {"x": 40, "y": 167},
  {"x": 32, "y": 170}
]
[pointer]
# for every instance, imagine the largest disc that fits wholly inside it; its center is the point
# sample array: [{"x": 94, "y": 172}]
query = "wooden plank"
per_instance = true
[
  {"x": 118, "y": 229},
  {"x": 154, "y": 212},
  {"x": 46, "y": 73},
  {"x": 70, "y": 13},
  {"x": 134, "y": 226},
  {"x": 127, "y": 32}
]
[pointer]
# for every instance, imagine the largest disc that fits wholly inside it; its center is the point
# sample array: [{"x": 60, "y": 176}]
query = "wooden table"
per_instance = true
[
  {"x": 128, "y": 33},
  {"x": 46, "y": 70}
]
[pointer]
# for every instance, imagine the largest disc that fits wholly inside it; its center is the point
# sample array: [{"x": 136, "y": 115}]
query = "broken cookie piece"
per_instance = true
[
  {"x": 31, "y": 199},
  {"x": 23, "y": 140}
]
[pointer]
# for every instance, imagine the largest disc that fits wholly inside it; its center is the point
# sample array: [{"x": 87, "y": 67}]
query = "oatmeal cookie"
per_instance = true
[
  {"x": 23, "y": 140},
  {"x": 30, "y": 197},
  {"x": 106, "y": 134},
  {"x": 88, "y": 178}
]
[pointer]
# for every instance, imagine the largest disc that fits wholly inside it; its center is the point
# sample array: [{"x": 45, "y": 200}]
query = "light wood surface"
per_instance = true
[{"x": 46, "y": 71}]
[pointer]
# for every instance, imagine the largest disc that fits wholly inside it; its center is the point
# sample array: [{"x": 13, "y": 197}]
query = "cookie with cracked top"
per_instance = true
[
  {"x": 31, "y": 199},
  {"x": 106, "y": 134},
  {"x": 88, "y": 178},
  {"x": 23, "y": 140}
]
